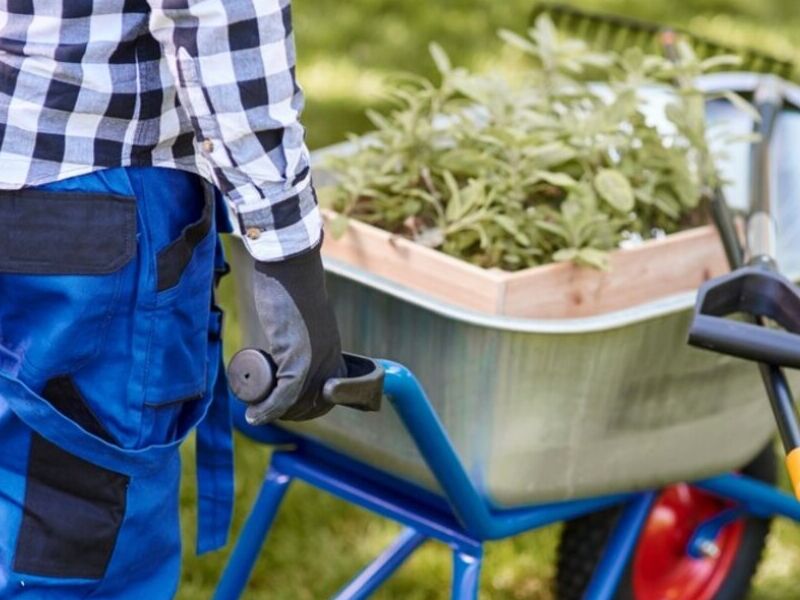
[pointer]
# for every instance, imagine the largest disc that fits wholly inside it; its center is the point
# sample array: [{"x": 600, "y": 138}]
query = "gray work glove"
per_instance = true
[{"x": 302, "y": 338}]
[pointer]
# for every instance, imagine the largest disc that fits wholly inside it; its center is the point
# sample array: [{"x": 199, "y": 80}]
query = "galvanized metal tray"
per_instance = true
[{"x": 541, "y": 410}]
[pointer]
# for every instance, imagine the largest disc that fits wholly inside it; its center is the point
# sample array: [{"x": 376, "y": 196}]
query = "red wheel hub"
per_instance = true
[{"x": 663, "y": 569}]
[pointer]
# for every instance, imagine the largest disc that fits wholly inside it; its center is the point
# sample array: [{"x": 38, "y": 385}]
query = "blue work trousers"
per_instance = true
[{"x": 109, "y": 355}]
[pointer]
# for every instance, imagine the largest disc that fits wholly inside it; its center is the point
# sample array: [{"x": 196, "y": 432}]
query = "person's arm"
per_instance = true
[{"x": 233, "y": 64}]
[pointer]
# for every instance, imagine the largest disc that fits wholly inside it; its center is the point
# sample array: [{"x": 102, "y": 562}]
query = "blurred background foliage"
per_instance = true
[{"x": 346, "y": 50}]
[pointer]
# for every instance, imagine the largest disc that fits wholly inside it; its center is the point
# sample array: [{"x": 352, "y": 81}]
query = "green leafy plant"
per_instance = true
[{"x": 545, "y": 166}]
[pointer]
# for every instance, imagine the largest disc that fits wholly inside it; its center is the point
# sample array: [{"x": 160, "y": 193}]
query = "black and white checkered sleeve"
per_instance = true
[{"x": 234, "y": 64}]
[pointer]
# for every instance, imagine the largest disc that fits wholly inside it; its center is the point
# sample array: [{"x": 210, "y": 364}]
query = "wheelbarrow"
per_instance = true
[
  {"x": 531, "y": 422},
  {"x": 507, "y": 445}
]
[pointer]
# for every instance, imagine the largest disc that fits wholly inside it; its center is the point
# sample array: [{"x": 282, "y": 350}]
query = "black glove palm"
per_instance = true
[{"x": 302, "y": 337}]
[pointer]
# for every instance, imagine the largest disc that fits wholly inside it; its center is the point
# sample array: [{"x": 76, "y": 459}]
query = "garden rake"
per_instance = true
[{"x": 613, "y": 32}]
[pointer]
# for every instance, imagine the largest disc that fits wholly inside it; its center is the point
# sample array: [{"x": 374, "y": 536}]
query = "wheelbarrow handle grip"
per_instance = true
[
  {"x": 746, "y": 340},
  {"x": 251, "y": 376}
]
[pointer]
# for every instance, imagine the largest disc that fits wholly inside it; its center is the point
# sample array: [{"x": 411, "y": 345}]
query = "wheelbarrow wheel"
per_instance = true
[{"x": 661, "y": 567}]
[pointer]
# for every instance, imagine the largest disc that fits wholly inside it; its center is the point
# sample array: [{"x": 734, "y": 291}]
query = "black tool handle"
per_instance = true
[
  {"x": 770, "y": 348},
  {"x": 746, "y": 340},
  {"x": 726, "y": 225},
  {"x": 251, "y": 376}
]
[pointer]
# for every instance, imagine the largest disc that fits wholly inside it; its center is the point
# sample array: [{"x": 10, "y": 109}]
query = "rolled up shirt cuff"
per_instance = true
[{"x": 281, "y": 229}]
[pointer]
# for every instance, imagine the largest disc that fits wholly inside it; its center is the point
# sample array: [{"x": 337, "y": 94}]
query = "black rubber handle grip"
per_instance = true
[
  {"x": 251, "y": 376},
  {"x": 746, "y": 340}
]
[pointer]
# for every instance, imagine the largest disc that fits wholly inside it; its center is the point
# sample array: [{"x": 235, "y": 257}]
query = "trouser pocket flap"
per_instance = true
[{"x": 68, "y": 233}]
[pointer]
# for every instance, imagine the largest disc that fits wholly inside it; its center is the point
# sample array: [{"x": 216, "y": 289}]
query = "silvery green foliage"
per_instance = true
[{"x": 544, "y": 168}]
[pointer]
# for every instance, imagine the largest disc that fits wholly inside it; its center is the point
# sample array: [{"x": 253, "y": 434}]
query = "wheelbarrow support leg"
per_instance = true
[
  {"x": 253, "y": 536},
  {"x": 371, "y": 578},
  {"x": 466, "y": 575},
  {"x": 620, "y": 547}
]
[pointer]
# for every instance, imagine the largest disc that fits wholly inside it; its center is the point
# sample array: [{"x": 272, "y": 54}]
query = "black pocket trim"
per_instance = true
[
  {"x": 168, "y": 403},
  {"x": 65, "y": 233},
  {"x": 72, "y": 515},
  {"x": 67, "y": 399},
  {"x": 172, "y": 260}
]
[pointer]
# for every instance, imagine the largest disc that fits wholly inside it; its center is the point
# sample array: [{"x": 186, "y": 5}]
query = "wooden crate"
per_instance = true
[{"x": 655, "y": 269}]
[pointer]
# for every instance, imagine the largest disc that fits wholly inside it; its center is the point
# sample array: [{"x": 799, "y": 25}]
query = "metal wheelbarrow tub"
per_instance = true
[{"x": 542, "y": 410}]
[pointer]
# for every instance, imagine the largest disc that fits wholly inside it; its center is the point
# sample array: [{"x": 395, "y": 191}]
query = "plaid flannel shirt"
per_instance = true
[{"x": 206, "y": 86}]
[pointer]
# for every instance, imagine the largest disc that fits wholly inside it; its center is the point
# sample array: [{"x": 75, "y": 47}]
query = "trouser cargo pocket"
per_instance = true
[{"x": 62, "y": 258}]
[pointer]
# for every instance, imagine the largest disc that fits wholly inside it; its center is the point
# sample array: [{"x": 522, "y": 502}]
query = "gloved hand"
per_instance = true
[{"x": 302, "y": 338}]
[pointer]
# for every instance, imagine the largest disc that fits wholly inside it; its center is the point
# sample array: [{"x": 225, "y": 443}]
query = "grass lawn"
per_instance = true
[{"x": 346, "y": 49}]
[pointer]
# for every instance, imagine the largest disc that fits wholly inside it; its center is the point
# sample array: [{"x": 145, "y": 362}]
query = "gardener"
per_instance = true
[{"x": 116, "y": 117}]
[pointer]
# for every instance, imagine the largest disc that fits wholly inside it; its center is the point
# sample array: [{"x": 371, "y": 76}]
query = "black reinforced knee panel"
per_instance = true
[{"x": 72, "y": 515}]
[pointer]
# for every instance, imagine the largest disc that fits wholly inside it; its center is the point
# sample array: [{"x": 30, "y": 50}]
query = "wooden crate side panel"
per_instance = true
[
  {"x": 419, "y": 268},
  {"x": 656, "y": 269}
]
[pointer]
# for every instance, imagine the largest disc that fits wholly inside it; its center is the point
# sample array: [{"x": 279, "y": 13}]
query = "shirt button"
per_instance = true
[
  {"x": 208, "y": 146},
  {"x": 253, "y": 233}
]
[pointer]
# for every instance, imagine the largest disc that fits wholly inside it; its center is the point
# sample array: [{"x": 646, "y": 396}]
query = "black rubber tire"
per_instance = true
[{"x": 584, "y": 539}]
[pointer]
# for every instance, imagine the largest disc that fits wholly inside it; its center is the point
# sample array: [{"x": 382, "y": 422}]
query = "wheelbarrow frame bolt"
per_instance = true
[{"x": 709, "y": 548}]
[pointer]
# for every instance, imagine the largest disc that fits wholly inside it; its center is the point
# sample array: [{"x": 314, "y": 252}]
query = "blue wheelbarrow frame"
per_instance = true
[{"x": 461, "y": 516}]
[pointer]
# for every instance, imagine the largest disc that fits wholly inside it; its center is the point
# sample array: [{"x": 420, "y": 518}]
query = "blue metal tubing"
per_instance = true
[
  {"x": 466, "y": 519},
  {"x": 708, "y": 531},
  {"x": 263, "y": 434},
  {"x": 402, "y": 508},
  {"x": 620, "y": 548},
  {"x": 760, "y": 499},
  {"x": 317, "y": 454},
  {"x": 371, "y": 578},
  {"x": 252, "y": 537},
  {"x": 429, "y": 520},
  {"x": 469, "y": 506},
  {"x": 466, "y": 576}
]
